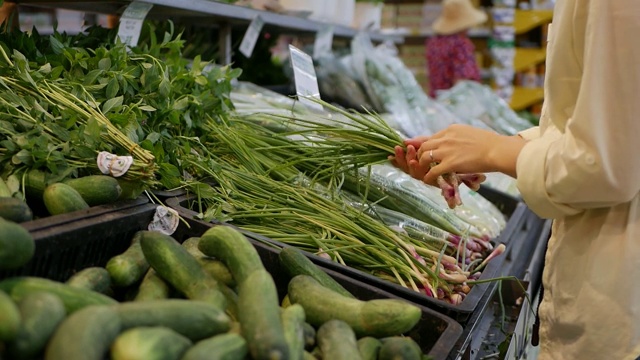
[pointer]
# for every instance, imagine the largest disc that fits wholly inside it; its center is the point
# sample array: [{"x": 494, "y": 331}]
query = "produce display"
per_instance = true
[
  {"x": 70, "y": 98},
  {"x": 76, "y": 320},
  {"x": 177, "y": 122}
]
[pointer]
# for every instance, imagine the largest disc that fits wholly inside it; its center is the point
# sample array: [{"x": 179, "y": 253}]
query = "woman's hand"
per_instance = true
[
  {"x": 466, "y": 150},
  {"x": 408, "y": 161}
]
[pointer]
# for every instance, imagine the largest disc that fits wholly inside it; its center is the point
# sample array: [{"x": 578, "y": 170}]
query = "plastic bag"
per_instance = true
[
  {"x": 336, "y": 82},
  {"x": 398, "y": 191},
  {"x": 472, "y": 100}
]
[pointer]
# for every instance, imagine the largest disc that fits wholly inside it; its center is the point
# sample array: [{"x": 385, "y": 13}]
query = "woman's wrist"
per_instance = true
[{"x": 504, "y": 154}]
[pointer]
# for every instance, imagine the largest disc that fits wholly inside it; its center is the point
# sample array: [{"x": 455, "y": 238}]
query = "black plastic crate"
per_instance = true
[
  {"x": 55, "y": 220},
  {"x": 516, "y": 227},
  {"x": 435, "y": 333},
  {"x": 70, "y": 242},
  {"x": 63, "y": 250},
  {"x": 163, "y": 195}
]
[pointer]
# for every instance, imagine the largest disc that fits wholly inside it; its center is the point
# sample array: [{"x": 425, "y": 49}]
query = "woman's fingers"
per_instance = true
[
  {"x": 431, "y": 177},
  {"x": 416, "y": 141},
  {"x": 400, "y": 159}
]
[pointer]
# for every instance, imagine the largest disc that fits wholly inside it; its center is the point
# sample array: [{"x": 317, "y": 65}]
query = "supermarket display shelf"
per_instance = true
[
  {"x": 527, "y": 57},
  {"x": 66, "y": 249},
  {"x": 209, "y": 12},
  {"x": 473, "y": 33},
  {"x": 501, "y": 326},
  {"x": 514, "y": 231},
  {"x": 526, "y": 20},
  {"x": 525, "y": 97}
]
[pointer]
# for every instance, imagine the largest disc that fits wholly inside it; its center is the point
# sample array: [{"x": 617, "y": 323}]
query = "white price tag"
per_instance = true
[
  {"x": 165, "y": 220},
  {"x": 114, "y": 165},
  {"x": 251, "y": 36},
  {"x": 324, "y": 42},
  {"x": 131, "y": 22},
  {"x": 304, "y": 75}
]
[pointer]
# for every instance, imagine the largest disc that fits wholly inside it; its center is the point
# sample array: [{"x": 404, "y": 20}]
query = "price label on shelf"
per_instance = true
[
  {"x": 305, "y": 78},
  {"x": 324, "y": 41},
  {"x": 251, "y": 36},
  {"x": 131, "y": 22}
]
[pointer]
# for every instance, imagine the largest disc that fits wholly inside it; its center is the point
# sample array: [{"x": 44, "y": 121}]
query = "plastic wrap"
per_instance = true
[
  {"x": 400, "y": 192},
  {"x": 503, "y": 183},
  {"x": 396, "y": 220},
  {"x": 393, "y": 88},
  {"x": 336, "y": 82},
  {"x": 472, "y": 100}
]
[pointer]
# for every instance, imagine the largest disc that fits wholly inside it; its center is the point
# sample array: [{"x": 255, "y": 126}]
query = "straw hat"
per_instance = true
[{"x": 456, "y": 16}]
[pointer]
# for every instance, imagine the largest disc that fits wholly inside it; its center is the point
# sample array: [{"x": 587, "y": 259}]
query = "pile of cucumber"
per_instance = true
[
  {"x": 207, "y": 298},
  {"x": 58, "y": 197}
]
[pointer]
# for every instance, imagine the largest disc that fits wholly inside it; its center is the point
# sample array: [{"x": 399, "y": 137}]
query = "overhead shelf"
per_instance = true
[
  {"x": 524, "y": 97},
  {"x": 209, "y": 12},
  {"x": 526, "y": 58},
  {"x": 526, "y": 20},
  {"x": 473, "y": 33}
]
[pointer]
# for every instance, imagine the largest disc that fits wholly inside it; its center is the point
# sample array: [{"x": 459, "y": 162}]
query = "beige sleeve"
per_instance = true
[
  {"x": 530, "y": 134},
  {"x": 593, "y": 162}
]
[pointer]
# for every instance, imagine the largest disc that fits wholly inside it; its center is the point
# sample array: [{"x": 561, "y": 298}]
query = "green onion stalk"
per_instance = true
[
  {"x": 249, "y": 193},
  {"x": 247, "y": 146}
]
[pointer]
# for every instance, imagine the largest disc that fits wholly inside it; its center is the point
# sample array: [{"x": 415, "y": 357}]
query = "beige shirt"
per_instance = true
[{"x": 581, "y": 167}]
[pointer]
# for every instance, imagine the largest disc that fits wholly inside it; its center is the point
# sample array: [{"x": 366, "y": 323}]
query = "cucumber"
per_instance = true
[
  {"x": 377, "y": 318},
  {"x": 73, "y": 298},
  {"x": 259, "y": 316},
  {"x": 399, "y": 348},
  {"x": 149, "y": 343},
  {"x": 293, "y": 324},
  {"x": 84, "y": 335},
  {"x": 369, "y": 347},
  {"x": 14, "y": 209},
  {"x": 93, "y": 278},
  {"x": 16, "y": 245},
  {"x": 309, "y": 335},
  {"x": 220, "y": 347},
  {"x": 60, "y": 198},
  {"x": 41, "y": 314},
  {"x": 232, "y": 301},
  {"x": 129, "y": 267},
  {"x": 35, "y": 181},
  {"x": 195, "y": 320},
  {"x": 152, "y": 287},
  {"x": 296, "y": 263},
  {"x": 9, "y": 318},
  {"x": 338, "y": 341},
  {"x": 232, "y": 248},
  {"x": 213, "y": 267},
  {"x": 180, "y": 269},
  {"x": 96, "y": 189}
]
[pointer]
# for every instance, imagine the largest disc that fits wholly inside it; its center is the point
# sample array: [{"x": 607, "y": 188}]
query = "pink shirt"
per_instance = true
[{"x": 450, "y": 58}]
